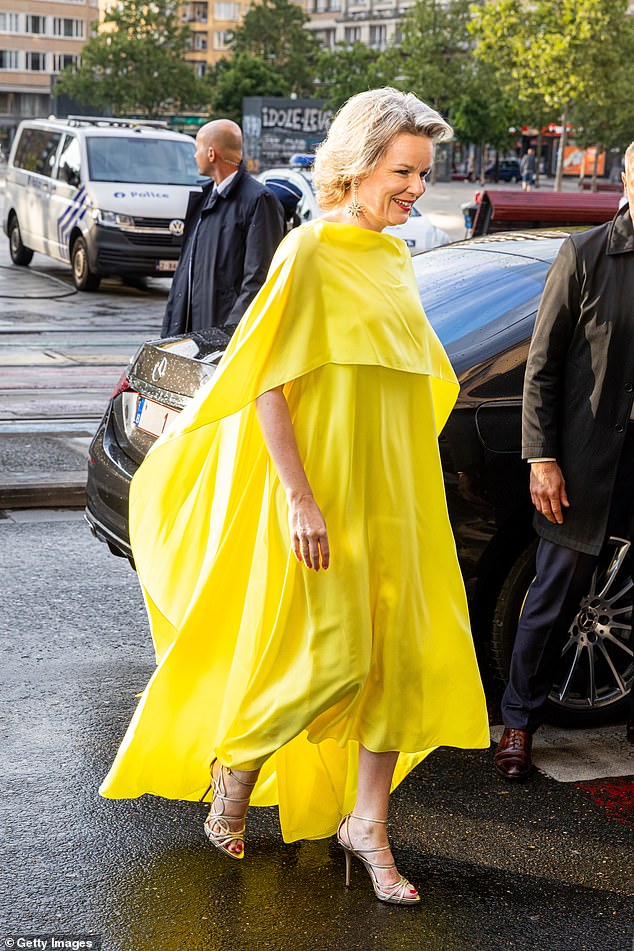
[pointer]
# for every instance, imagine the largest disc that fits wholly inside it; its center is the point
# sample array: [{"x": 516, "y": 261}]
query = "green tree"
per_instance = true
[
  {"x": 273, "y": 31},
  {"x": 348, "y": 70},
  {"x": 243, "y": 75},
  {"x": 137, "y": 63},
  {"x": 480, "y": 117},
  {"x": 435, "y": 51},
  {"x": 550, "y": 52}
]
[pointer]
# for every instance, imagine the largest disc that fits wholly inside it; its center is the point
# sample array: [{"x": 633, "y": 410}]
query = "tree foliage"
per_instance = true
[
  {"x": 563, "y": 57},
  {"x": 480, "y": 117},
  {"x": 136, "y": 64},
  {"x": 435, "y": 51},
  {"x": 243, "y": 75},
  {"x": 348, "y": 70},
  {"x": 273, "y": 32}
]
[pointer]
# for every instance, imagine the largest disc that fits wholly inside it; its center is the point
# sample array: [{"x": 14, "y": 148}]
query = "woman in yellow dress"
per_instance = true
[{"x": 291, "y": 532}]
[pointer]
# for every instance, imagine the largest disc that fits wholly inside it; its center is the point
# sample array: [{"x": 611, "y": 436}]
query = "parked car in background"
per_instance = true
[
  {"x": 506, "y": 170},
  {"x": 107, "y": 196},
  {"x": 418, "y": 232},
  {"x": 481, "y": 297}
]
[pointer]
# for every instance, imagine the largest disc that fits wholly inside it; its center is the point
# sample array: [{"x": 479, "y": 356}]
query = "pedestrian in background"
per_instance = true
[
  {"x": 232, "y": 228},
  {"x": 289, "y": 195},
  {"x": 578, "y": 436},
  {"x": 292, "y": 537},
  {"x": 528, "y": 167}
]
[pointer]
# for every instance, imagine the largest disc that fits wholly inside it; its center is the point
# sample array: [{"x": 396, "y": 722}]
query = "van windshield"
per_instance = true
[{"x": 141, "y": 160}]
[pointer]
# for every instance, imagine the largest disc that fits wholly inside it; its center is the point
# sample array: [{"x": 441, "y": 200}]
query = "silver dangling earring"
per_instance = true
[{"x": 355, "y": 209}]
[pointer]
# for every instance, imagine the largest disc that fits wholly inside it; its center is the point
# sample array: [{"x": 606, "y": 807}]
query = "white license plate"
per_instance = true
[
  {"x": 166, "y": 266},
  {"x": 152, "y": 417}
]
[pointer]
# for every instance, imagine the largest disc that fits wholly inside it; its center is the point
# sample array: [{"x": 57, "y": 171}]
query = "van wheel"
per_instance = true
[
  {"x": 19, "y": 254},
  {"x": 83, "y": 278},
  {"x": 595, "y": 671}
]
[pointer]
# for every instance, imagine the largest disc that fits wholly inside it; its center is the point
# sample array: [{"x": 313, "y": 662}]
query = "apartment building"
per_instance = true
[
  {"x": 375, "y": 23},
  {"x": 38, "y": 38},
  {"x": 211, "y": 22}
]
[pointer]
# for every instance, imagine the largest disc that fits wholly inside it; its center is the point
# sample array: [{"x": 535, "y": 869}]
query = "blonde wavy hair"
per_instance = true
[{"x": 361, "y": 133}]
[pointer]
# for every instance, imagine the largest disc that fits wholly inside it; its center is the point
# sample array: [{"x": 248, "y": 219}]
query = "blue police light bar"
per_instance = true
[{"x": 301, "y": 160}]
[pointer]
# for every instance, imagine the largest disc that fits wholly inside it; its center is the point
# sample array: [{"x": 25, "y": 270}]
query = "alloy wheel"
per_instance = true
[{"x": 597, "y": 661}]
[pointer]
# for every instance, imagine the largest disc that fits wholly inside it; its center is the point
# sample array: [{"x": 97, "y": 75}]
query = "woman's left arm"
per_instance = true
[{"x": 309, "y": 536}]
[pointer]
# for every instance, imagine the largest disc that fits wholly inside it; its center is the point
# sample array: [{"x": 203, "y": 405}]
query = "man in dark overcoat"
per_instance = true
[
  {"x": 578, "y": 436},
  {"x": 232, "y": 228}
]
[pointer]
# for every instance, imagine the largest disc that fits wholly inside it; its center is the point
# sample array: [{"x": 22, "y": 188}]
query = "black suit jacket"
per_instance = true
[
  {"x": 579, "y": 384},
  {"x": 229, "y": 240}
]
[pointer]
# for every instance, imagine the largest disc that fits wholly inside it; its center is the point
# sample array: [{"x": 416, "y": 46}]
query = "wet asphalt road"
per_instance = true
[{"x": 535, "y": 867}]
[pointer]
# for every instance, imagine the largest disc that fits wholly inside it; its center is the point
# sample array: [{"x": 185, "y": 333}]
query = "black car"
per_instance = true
[
  {"x": 506, "y": 170},
  {"x": 481, "y": 297}
]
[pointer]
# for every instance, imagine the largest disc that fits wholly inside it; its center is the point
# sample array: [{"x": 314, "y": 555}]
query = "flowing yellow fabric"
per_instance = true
[{"x": 260, "y": 661}]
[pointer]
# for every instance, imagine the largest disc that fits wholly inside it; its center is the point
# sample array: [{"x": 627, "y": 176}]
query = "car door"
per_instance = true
[
  {"x": 36, "y": 155},
  {"x": 68, "y": 197}
]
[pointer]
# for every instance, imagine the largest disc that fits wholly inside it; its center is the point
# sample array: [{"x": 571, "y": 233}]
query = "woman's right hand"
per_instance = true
[{"x": 309, "y": 536}]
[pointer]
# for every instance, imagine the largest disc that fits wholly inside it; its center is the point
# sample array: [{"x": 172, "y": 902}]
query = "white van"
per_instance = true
[{"x": 106, "y": 195}]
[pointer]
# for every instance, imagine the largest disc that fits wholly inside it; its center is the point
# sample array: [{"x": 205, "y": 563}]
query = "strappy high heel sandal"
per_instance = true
[
  {"x": 216, "y": 825},
  {"x": 394, "y": 894}
]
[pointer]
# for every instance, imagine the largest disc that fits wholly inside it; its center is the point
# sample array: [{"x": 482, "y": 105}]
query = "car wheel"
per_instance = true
[
  {"x": 596, "y": 668},
  {"x": 83, "y": 278},
  {"x": 20, "y": 255}
]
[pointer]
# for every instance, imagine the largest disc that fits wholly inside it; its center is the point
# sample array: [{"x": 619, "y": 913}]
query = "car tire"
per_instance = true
[
  {"x": 20, "y": 255},
  {"x": 83, "y": 278},
  {"x": 570, "y": 700}
]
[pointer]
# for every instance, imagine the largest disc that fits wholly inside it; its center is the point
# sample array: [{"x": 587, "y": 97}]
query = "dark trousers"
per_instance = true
[{"x": 562, "y": 578}]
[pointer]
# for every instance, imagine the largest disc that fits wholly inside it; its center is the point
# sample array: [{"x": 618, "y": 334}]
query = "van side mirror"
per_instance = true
[{"x": 70, "y": 175}]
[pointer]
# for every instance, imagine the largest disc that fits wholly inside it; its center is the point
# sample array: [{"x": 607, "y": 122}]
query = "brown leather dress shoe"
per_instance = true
[{"x": 512, "y": 758}]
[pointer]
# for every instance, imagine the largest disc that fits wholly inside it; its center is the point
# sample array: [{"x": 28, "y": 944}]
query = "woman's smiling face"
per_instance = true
[{"x": 389, "y": 191}]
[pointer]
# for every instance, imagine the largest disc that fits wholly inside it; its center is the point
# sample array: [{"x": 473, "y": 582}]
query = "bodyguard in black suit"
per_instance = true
[
  {"x": 578, "y": 437},
  {"x": 232, "y": 229}
]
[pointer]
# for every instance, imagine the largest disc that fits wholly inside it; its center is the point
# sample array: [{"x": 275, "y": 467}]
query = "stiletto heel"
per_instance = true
[
  {"x": 348, "y": 864},
  {"x": 394, "y": 894},
  {"x": 216, "y": 824}
]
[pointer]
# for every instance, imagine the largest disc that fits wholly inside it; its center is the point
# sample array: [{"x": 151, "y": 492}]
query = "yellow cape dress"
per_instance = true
[{"x": 260, "y": 661}]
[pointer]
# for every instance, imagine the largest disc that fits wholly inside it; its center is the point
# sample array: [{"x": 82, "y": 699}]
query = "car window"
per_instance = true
[
  {"x": 69, "y": 165},
  {"x": 36, "y": 151},
  {"x": 467, "y": 292},
  {"x": 141, "y": 160}
]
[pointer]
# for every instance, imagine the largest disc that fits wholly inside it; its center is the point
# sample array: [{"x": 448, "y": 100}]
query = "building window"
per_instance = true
[
  {"x": 36, "y": 62},
  {"x": 352, "y": 34},
  {"x": 227, "y": 11},
  {"x": 378, "y": 36},
  {"x": 9, "y": 59},
  {"x": 201, "y": 69},
  {"x": 335, "y": 6},
  {"x": 222, "y": 40},
  {"x": 200, "y": 41},
  {"x": 35, "y": 24},
  {"x": 9, "y": 23},
  {"x": 327, "y": 38},
  {"x": 62, "y": 60},
  {"x": 65, "y": 26},
  {"x": 200, "y": 12}
]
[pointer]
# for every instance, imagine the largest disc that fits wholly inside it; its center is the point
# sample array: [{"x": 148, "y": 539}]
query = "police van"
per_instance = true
[{"x": 108, "y": 196}]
